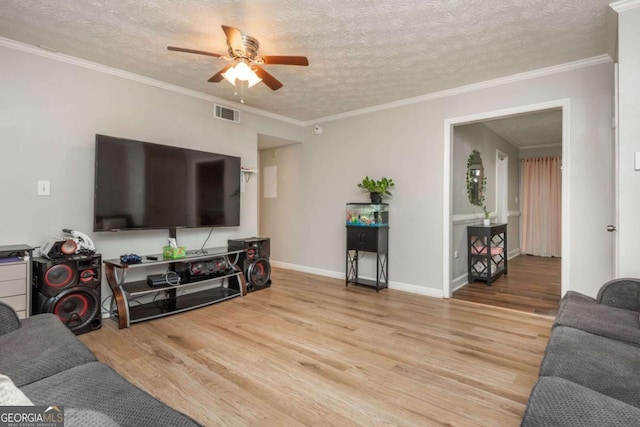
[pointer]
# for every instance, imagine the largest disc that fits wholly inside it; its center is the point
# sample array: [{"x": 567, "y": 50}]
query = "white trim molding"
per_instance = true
[
  {"x": 309, "y": 270},
  {"x": 57, "y": 56},
  {"x": 602, "y": 59},
  {"x": 624, "y": 5},
  {"x": 533, "y": 147},
  {"x": 398, "y": 286}
]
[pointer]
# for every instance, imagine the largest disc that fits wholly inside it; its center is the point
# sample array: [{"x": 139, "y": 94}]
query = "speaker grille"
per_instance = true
[
  {"x": 77, "y": 308},
  {"x": 70, "y": 289}
]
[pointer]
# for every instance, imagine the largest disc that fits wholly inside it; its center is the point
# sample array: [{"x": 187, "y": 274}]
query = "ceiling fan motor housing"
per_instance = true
[{"x": 251, "y": 46}]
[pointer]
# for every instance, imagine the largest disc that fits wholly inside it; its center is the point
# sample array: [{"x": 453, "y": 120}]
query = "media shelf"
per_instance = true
[
  {"x": 166, "y": 301},
  {"x": 167, "y": 306}
]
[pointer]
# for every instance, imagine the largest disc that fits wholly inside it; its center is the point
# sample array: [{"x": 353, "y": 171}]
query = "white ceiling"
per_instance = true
[
  {"x": 361, "y": 53},
  {"x": 537, "y": 129}
]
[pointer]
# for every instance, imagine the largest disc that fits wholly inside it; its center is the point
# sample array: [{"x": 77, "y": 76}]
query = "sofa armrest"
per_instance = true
[
  {"x": 621, "y": 293},
  {"x": 9, "y": 320}
]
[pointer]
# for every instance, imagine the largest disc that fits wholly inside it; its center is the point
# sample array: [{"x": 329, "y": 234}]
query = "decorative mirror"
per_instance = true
[{"x": 476, "y": 180}]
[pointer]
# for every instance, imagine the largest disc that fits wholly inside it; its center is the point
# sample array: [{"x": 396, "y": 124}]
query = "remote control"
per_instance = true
[{"x": 153, "y": 258}]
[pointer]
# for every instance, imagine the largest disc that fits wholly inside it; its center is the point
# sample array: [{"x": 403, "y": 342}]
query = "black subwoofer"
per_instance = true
[
  {"x": 254, "y": 261},
  {"x": 70, "y": 289}
]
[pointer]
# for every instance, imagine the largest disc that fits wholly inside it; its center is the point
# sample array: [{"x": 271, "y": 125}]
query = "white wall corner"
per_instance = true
[
  {"x": 513, "y": 253},
  {"x": 623, "y": 5}
]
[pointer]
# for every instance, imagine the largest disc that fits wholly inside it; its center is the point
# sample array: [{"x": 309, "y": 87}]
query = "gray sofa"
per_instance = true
[
  {"x": 47, "y": 365},
  {"x": 590, "y": 373}
]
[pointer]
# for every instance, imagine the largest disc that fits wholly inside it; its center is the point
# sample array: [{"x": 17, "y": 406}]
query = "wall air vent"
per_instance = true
[{"x": 226, "y": 113}]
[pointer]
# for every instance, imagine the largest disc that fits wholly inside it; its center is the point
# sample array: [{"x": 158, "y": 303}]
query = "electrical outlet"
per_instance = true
[{"x": 44, "y": 187}]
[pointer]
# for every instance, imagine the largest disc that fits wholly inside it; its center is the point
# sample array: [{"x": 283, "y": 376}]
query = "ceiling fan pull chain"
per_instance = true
[{"x": 242, "y": 92}]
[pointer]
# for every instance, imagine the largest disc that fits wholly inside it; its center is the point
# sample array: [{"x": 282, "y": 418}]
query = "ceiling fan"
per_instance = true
[{"x": 246, "y": 65}]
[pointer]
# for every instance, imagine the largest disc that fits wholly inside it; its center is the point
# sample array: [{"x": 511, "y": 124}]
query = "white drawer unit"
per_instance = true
[{"x": 15, "y": 278}]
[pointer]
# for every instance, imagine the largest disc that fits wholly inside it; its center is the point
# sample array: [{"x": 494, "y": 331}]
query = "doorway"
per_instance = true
[{"x": 501, "y": 170}]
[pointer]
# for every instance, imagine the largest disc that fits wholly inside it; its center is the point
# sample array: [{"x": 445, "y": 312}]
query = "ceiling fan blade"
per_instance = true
[
  {"x": 267, "y": 78},
  {"x": 199, "y": 52},
  {"x": 234, "y": 38},
  {"x": 286, "y": 60},
  {"x": 217, "y": 77}
]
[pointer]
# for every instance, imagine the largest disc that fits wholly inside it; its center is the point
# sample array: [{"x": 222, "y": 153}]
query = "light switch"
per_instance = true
[
  {"x": 638, "y": 160},
  {"x": 44, "y": 187}
]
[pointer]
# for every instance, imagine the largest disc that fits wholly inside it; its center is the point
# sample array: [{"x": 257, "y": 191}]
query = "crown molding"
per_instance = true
[
  {"x": 602, "y": 59},
  {"x": 623, "y": 5},
  {"x": 57, "y": 56},
  {"x": 533, "y": 147}
]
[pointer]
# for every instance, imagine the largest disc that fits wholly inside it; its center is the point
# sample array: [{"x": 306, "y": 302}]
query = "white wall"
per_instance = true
[
  {"x": 629, "y": 141},
  {"x": 50, "y": 112},
  {"x": 406, "y": 144}
]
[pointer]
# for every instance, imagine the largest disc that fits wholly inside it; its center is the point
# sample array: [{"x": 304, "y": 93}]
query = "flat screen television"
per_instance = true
[{"x": 140, "y": 185}]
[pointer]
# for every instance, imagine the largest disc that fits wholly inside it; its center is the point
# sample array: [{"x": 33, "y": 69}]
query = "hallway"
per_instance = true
[{"x": 532, "y": 285}]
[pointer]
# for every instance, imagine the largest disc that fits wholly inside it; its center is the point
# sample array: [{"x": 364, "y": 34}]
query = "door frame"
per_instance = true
[
  {"x": 500, "y": 158},
  {"x": 565, "y": 105}
]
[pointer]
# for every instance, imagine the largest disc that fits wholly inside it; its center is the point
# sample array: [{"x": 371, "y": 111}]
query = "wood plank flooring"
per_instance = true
[
  {"x": 309, "y": 351},
  {"x": 532, "y": 285}
]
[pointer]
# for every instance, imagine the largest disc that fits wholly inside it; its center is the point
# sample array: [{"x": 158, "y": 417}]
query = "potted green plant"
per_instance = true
[
  {"x": 377, "y": 188},
  {"x": 487, "y": 221}
]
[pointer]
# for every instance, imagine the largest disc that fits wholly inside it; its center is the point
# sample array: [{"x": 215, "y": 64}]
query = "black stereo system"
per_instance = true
[
  {"x": 203, "y": 270},
  {"x": 69, "y": 288},
  {"x": 254, "y": 261}
]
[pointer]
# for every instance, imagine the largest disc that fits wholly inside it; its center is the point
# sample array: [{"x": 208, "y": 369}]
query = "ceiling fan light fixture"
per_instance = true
[
  {"x": 253, "y": 79},
  {"x": 241, "y": 72},
  {"x": 230, "y": 75}
]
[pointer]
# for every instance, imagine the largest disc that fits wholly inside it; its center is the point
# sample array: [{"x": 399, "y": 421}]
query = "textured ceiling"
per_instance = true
[
  {"x": 361, "y": 53},
  {"x": 532, "y": 129}
]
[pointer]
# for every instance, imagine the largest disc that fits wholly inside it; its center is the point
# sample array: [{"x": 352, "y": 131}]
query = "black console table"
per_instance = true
[
  {"x": 487, "y": 252},
  {"x": 367, "y": 231},
  {"x": 223, "y": 286}
]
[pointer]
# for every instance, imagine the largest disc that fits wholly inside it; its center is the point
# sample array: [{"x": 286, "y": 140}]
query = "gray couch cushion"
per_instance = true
[
  {"x": 8, "y": 319},
  {"x": 42, "y": 346},
  {"x": 607, "y": 366},
  {"x": 558, "y": 402},
  {"x": 584, "y": 313},
  {"x": 97, "y": 387}
]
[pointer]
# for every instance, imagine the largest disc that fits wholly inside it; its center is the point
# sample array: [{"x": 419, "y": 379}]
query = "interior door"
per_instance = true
[{"x": 588, "y": 248}]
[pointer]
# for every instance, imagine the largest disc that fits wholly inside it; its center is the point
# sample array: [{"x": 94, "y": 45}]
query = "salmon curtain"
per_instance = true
[{"x": 541, "y": 206}]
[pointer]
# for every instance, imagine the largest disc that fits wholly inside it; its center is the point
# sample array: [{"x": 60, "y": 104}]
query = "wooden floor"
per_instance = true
[
  {"x": 532, "y": 284},
  {"x": 310, "y": 351}
]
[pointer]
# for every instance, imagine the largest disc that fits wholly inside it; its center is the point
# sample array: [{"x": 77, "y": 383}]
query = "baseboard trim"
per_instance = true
[
  {"x": 305, "y": 269},
  {"x": 398, "y": 286},
  {"x": 513, "y": 253},
  {"x": 459, "y": 282}
]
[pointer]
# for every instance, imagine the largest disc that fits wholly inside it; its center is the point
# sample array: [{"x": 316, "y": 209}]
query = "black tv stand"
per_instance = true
[{"x": 166, "y": 300}]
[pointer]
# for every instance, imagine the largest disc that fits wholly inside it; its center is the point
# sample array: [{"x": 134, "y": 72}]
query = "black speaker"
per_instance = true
[
  {"x": 256, "y": 247},
  {"x": 70, "y": 289},
  {"x": 254, "y": 261}
]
